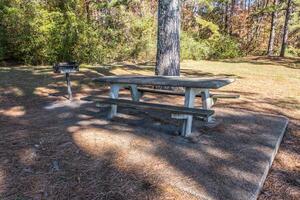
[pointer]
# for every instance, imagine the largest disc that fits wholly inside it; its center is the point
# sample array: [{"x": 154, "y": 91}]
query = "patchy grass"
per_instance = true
[{"x": 265, "y": 85}]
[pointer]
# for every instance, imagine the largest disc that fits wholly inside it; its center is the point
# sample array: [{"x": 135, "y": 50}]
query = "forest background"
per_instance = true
[{"x": 99, "y": 31}]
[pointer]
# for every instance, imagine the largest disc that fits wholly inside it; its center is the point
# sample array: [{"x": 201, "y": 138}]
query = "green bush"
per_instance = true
[
  {"x": 88, "y": 47},
  {"x": 143, "y": 40},
  {"x": 218, "y": 48},
  {"x": 42, "y": 33},
  {"x": 193, "y": 49},
  {"x": 293, "y": 51},
  {"x": 203, "y": 40},
  {"x": 224, "y": 47}
]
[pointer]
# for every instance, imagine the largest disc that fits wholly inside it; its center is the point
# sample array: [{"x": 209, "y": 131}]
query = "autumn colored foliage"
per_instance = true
[{"x": 96, "y": 31}]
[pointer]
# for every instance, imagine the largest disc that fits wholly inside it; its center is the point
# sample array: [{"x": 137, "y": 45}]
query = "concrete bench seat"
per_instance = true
[
  {"x": 145, "y": 105},
  {"x": 215, "y": 97}
]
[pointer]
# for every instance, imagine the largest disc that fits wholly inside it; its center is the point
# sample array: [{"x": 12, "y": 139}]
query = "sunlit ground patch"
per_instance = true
[
  {"x": 43, "y": 91},
  {"x": 67, "y": 103},
  {"x": 92, "y": 122},
  {"x": 27, "y": 156},
  {"x": 12, "y": 91},
  {"x": 93, "y": 141},
  {"x": 16, "y": 111}
]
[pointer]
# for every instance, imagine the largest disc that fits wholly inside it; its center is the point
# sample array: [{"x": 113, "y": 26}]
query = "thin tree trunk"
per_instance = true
[
  {"x": 87, "y": 9},
  {"x": 257, "y": 30},
  {"x": 232, "y": 10},
  {"x": 196, "y": 8},
  {"x": 226, "y": 28},
  {"x": 168, "y": 41},
  {"x": 272, "y": 31},
  {"x": 249, "y": 6},
  {"x": 285, "y": 28}
]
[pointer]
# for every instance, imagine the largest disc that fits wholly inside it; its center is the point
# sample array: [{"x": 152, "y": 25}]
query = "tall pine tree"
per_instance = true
[{"x": 168, "y": 38}]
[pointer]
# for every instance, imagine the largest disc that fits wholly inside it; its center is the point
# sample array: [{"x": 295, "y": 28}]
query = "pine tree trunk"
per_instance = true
[
  {"x": 226, "y": 27},
  {"x": 232, "y": 11},
  {"x": 272, "y": 31},
  {"x": 168, "y": 38},
  {"x": 285, "y": 28},
  {"x": 249, "y": 6}
]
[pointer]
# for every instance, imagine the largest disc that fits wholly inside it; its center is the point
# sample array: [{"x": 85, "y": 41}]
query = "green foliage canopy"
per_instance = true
[{"x": 97, "y": 31}]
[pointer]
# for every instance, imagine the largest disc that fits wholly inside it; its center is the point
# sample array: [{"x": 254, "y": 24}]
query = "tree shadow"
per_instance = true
[
  {"x": 71, "y": 151},
  {"x": 106, "y": 69},
  {"x": 39, "y": 159},
  {"x": 236, "y": 151},
  {"x": 289, "y": 62},
  {"x": 141, "y": 68},
  {"x": 199, "y": 73}
]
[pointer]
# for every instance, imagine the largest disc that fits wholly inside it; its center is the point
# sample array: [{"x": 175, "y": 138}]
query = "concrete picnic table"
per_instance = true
[{"x": 192, "y": 87}]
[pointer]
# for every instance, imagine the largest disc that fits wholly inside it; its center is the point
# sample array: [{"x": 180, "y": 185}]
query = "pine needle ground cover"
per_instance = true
[{"x": 42, "y": 157}]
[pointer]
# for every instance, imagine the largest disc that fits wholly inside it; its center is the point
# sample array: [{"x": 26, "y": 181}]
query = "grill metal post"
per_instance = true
[
  {"x": 69, "y": 86},
  {"x": 66, "y": 68}
]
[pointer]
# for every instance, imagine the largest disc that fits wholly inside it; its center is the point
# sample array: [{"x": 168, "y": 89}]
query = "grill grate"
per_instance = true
[{"x": 66, "y": 68}]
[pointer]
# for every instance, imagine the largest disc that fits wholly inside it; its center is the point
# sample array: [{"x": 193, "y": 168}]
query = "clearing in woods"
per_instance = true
[{"x": 43, "y": 157}]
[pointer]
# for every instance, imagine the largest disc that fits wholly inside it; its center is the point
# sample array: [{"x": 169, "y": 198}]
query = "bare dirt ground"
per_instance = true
[{"x": 40, "y": 159}]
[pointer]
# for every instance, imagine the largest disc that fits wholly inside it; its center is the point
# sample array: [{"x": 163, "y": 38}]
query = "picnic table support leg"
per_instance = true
[
  {"x": 70, "y": 97},
  {"x": 135, "y": 94},
  {"x": 188, "y": 102},
  {"x": 114, "y": 94},
  {"x": 207, "y": 102}
]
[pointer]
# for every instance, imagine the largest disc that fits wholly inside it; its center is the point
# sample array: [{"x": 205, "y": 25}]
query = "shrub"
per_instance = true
[
  {"x": 193, "y": 49},
  {"x": 224, "y": 47},
  {"x": 204, "y": 41},
  {"x": 41, "y": 33},
  {"x": 293, "y": 51},
  {"x": 217, "y": 48}
]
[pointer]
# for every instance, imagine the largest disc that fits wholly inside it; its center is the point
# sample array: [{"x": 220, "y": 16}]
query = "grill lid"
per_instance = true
[{"x": 65, "y": 67}]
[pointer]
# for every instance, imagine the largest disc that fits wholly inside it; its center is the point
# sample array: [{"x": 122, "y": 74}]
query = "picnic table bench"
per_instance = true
[
  {"x": 214, "y": 97},
  {"x": 192, "y": 87}
]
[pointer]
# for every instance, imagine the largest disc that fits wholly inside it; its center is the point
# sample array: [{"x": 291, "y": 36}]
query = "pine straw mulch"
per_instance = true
[{"x": 39, "y": 161}]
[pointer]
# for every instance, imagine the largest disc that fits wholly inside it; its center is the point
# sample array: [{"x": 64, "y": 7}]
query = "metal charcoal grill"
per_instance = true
[{"x": 66, "y": 68}]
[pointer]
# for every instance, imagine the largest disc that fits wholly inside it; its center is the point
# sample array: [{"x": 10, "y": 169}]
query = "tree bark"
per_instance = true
[
  {"x": 226, "y": 27},
  {"x": 272, "y": 31},
  {"x": 232, "y": 10},
  {"x": 249, "y": 6},
  {"x": 168, "y": 38},
  {"x": 285, "y": 28}
]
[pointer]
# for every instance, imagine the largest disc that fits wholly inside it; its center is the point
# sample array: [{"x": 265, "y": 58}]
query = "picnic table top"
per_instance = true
[{"x": 174, "y": 81}]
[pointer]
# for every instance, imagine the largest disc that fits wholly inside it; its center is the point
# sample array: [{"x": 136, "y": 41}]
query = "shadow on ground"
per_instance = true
[
  {"x": 293, "y": 63},
  {"x": 52, "y": 149}
]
